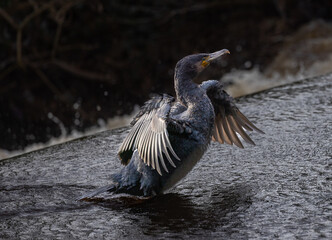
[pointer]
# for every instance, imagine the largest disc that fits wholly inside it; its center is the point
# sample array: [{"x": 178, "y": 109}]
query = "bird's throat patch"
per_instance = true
[{"x": 205, "y": 62}]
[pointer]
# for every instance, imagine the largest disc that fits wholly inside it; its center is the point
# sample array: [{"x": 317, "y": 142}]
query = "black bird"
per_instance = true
[{"x": 169, "y": 135}]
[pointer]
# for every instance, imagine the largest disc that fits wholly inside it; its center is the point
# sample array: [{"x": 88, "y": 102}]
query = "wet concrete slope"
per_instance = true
[{"x": 280, "y": 188}]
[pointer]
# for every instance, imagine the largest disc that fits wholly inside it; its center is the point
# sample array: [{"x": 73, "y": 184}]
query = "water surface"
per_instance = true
[{"x": 280, "y": 188}]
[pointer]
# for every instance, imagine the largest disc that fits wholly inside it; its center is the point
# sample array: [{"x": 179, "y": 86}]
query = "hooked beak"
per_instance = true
[{"x": 217, "y": 54}]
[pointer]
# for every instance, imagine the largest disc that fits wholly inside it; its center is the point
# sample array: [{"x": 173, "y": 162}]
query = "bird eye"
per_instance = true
[{"x": 204, "y": 63}]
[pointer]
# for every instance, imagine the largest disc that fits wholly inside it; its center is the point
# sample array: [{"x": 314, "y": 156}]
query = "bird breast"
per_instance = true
[{"x": 185, "y": 167}]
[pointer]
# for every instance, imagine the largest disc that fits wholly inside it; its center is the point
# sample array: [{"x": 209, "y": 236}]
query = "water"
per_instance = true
[
  {"x": 280, "y": 188},
  {"x": 244, "y": 82}
]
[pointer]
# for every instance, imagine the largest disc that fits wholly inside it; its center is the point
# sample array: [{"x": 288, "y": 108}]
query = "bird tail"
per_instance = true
[{"x": 96, "y": 192}]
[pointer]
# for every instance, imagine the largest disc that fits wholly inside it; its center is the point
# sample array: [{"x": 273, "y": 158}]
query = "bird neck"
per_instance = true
[{"x": 185, "y": 88}]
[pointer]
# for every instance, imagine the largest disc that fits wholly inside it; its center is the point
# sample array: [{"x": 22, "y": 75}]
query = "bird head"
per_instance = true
[{"x": 192, "y": 65}]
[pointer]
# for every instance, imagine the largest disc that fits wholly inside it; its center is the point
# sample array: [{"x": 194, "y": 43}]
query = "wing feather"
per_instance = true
[
  {"x": 160, "y": 153},
  {"x": 239, "y": 129},
  {"x": 232, "y": 135},
  {"x": 148, "y": 149},
  {"x": 242, "y": 123},
  {"x": 149, "y": 135},
  {"x": 229, "y": 121},
  {"x": 250, "y": 124},
  {"x": 223, "y": 130},
  {"x": 165, "y": 150}
]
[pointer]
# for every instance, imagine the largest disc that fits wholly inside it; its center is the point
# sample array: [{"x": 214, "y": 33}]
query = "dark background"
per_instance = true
[{"x": 87, "y": 60}]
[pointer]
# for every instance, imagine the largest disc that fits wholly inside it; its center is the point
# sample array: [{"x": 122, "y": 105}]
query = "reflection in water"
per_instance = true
[{"x": 179, "y": 213}]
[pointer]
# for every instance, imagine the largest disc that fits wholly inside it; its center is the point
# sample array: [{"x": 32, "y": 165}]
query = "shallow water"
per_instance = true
[{"x": 280, "y": 188}]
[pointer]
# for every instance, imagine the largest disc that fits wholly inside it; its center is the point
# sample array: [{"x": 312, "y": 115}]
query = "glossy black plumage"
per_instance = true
[{"x": 169, "y": 135}]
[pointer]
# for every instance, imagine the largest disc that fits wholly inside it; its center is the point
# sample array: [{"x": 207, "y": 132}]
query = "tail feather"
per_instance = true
[{"x": 96, "y": 192}]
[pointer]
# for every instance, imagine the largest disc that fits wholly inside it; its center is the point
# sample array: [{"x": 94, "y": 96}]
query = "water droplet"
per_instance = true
[
  {"x": 101, "y": 122},
  {"x": 77, "y": 122},
  {"x": 238, "y": 48},
  {"x": 76, "y": 105},
  {"x": 247, "y": 64}
]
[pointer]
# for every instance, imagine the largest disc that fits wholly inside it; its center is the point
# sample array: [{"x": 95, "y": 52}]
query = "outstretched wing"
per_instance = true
[
  {"x": 149, "y": 135},
  {"x": 229, "y": 121}
]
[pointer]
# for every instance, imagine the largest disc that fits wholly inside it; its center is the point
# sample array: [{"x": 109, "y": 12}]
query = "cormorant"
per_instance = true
[{"x": 169, "y": 135}]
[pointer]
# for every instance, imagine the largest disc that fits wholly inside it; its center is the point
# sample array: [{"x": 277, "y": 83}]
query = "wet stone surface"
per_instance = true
[{"x": 280, "y": 188}]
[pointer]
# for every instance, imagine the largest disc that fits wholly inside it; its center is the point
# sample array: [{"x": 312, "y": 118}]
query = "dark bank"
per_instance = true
[{"x": 70, "y": 65}]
